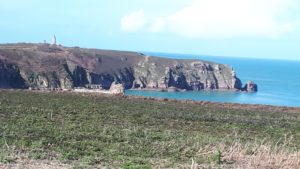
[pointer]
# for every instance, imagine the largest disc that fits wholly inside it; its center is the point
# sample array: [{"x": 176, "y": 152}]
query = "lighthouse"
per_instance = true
[{"x": 54, "y": 40}]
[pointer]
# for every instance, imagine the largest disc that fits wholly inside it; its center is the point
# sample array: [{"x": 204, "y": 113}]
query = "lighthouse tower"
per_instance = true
[{"x": 54, "y": 40}]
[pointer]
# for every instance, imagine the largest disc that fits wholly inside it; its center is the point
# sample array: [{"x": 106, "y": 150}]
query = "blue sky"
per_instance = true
[{"x": 244, "y": 28}]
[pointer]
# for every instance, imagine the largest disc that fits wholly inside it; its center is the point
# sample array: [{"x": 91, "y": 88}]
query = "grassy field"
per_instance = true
[{"x": 84, "y": 131}]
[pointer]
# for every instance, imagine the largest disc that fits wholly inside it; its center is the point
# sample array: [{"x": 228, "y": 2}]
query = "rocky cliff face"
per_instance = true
[
  {"x": 10, "y": 76},
  {"x": 41, "y": 66},
  {"x": 152, "y": 72}
]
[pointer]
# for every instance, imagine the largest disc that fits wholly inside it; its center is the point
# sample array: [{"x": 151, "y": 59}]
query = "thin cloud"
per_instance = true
[
  {"x": 157, "y": 25},
  {"x": 133, "y": 22},
  {"x": 222, "y": 19},
  {"x": 231, "y": 18}
]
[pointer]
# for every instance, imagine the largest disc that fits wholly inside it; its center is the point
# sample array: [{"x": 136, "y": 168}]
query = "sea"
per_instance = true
[{"x": 278, "y": 82}]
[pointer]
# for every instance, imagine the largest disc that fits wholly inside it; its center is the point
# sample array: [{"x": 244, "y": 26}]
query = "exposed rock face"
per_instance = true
[
  {"x": 184, "y": 74},
  {"x": 10, "y": 76},
  {"x": 41, "y": 66},
  {"x": 117, "y": 89},
  {"x": 250, "y": 87}
]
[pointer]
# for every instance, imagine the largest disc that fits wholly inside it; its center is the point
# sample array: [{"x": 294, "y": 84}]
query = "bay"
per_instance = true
[{"x": 278, "y": 81}]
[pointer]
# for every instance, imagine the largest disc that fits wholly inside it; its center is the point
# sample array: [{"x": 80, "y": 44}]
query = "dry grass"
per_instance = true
[
  {"x": 35, "y": 164},
  {"x": 251, "y": 156},
  {"x": 237, "y": 156},
  {"x": 263, "y": 157}
]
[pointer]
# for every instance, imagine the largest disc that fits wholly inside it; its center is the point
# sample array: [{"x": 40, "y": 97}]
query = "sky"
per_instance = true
[{"x": 239, "y": 28}]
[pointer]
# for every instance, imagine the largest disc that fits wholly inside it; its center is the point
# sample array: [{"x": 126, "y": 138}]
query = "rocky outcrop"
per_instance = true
[
  {"x": 41, "y": 66},
  {"x": 250, "y": 87},
  {"x": 153, "y": 72},
  {"x": 117, "y": 89}
]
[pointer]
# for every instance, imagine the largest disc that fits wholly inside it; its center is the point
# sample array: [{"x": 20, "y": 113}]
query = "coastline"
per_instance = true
[
  {"x": 225, "y": 105},
  {"x": 171, "y": 89},
  {"x": 258, "y": 107}
]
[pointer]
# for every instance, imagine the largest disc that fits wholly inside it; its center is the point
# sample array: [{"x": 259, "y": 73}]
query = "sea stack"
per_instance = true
[{"x": 250, "y": 86}]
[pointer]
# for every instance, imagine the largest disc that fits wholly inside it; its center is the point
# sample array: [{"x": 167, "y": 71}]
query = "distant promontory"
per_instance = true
[{"x": 55, "y": 67}]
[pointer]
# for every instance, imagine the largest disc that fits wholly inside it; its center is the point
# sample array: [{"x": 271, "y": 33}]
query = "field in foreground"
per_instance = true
[{"x": 62, "y": 130}]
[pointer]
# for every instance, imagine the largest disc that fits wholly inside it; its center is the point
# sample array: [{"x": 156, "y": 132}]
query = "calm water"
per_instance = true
[{"x": 278, "y": 82}]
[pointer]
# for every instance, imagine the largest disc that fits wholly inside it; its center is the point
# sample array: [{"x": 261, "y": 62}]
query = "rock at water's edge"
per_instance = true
[
  {"x": 250, "y": 86},
  {"x": 117, "y": 89}
]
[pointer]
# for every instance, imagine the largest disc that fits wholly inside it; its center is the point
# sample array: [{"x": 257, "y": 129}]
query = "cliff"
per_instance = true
[{"x": 43, "y": 66}]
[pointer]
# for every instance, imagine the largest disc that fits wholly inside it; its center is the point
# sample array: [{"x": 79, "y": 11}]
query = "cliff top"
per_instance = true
[{"x": 40, "y": 56}]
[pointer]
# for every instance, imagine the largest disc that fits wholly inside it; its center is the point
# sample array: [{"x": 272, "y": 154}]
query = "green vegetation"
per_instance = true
[{"x": 90, "y": 130}]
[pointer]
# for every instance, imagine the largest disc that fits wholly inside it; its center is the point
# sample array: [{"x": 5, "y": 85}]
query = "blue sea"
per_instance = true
[{"x": 278, "y": 82}]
